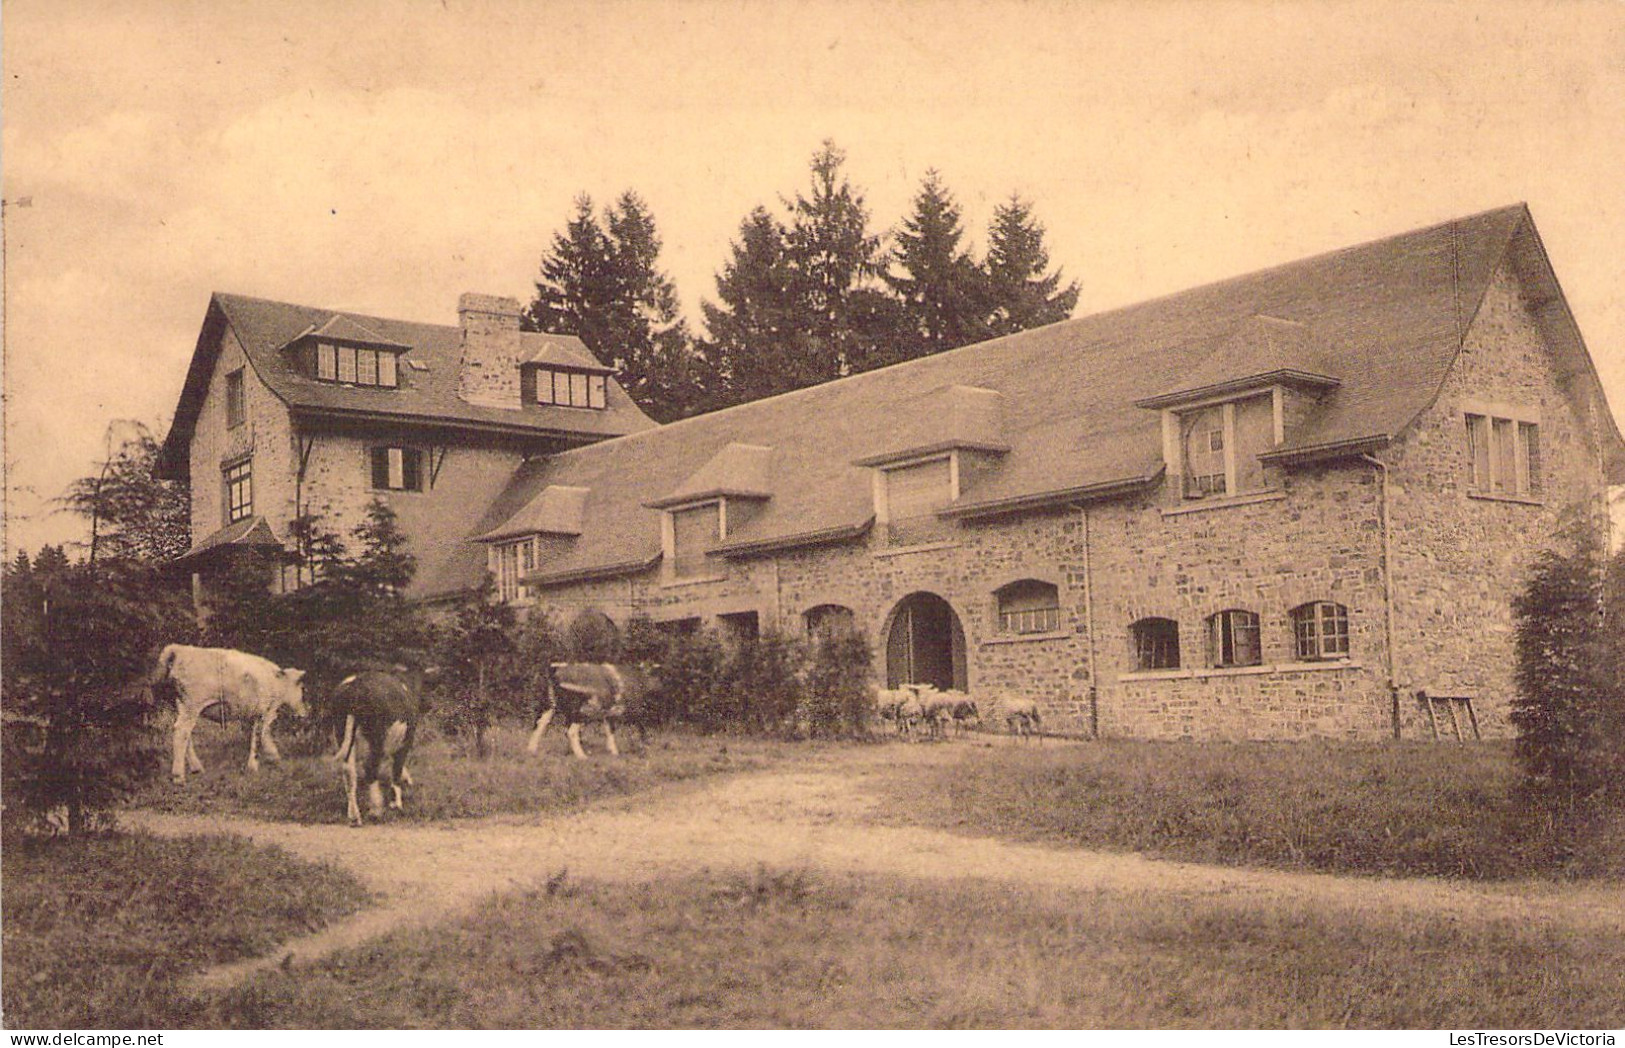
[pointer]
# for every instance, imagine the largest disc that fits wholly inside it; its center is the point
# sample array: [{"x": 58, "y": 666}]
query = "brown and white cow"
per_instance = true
[
  {"x": 382, "y": 708},
  {"x": 246, "y": 686},
  {"x": 593, "y": 691}
]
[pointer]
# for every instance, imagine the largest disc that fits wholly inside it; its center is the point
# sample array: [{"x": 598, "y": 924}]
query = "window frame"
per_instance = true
[
  {"x": 1022, "y": 622},
  {"x": 1502, "y": 453},
  {"x": 238, "y": 480},
  {"x": 508, "y": 559},
  {"x": 1222, "y": 440},
  {"x": 1148, "y": 645},
  {"x": 570, "y": 388},
  {"x": 1320, "y": 631},
  {"x": 699, "y": 567},
  {"x": 1227, "y": 632},
  {"x": 236, "y": 398},
  {"x": 405, "y": 451},
  {"x": 365, "y": 365}
]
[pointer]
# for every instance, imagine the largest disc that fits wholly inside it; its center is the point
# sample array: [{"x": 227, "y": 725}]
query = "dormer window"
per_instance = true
[
  {"x": 909, "y": 496},
  {"x": 690, "y": 532},
  {"x": 1216, "y": 446},
  {"x": 356, "y": 365},
  {"x": 559, "y": 387}
]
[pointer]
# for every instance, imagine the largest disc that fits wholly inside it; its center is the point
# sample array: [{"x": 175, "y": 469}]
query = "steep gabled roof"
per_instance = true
[
  {"x": 1385, "y": 319},
  {"x": 428, "y": 383}
]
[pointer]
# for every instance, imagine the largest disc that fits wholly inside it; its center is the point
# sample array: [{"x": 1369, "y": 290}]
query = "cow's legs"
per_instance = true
[
  {"x": 375, "y": 757},
  {"x": 254, "y": 745},
  {"x": 267, "y": 743},
  {"x": 185, "y": 721},
  {"x": 609, "y": 737},
  {"x": 349, "y": 788},
  {"x": 398, "y": 776},
  {"x": 575, "y": 740},
  {"x": 192, "y": 761},
  {"x": 535, "y": 743}
]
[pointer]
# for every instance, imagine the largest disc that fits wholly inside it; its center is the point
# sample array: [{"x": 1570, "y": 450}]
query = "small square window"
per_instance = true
[
  {"x": 367, "y": 367},
  {"x": 387, "y": 370},
  {"x": 347, "y": 363},
  {"x": 327, "y": 361}
]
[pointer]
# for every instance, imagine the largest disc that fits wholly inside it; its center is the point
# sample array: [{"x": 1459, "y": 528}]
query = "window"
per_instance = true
[
  {"x": 827, "y": 619},
  {"x": 570, "y": 389},
  {"x": 1321, "y": 630},
  {"x": 1503, "y": 456},
  {"x": 239, "y": 491},
  {"x": 693, "y": 531},
  {"x": 513, "y": 560},
  {"x": 357, "y": 365},
  {"x": 1219, "y": 447},
  {"x": 1156, "y": 644},
  {"x": 235, "y": 409},
  {"x": 1232, "y": 639},
  {"x": 913, "y": 495},
  {"x": 1029, "y": 606},
  {"x": 397, "y": 469}
]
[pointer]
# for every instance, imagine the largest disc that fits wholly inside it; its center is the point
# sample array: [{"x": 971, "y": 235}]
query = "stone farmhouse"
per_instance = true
[{"x": 1293, "y": 503}]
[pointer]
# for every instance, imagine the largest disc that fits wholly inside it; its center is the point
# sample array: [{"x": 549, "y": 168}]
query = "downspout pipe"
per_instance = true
[
  {"x": 1089, "y": 624},
  {"x": 1388, "y": 589}
]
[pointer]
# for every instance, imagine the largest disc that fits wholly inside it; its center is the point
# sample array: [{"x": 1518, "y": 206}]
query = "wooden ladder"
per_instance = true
[{"x": 1463, "y": 718}]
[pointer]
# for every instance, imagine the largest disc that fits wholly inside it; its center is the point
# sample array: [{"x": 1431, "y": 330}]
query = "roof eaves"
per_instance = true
[
  {"x": 1279, "y": 376},
  {"x": 1085, "y": 493},
  {"x": 586, "y": 574},
  {"x": 1303, "y": 455},
  {"x": 822, "y": 537},
  {"x": 709, "y": 495},
  {"x": 305, "y": 411},
  {"x": 940, "y": 447}
]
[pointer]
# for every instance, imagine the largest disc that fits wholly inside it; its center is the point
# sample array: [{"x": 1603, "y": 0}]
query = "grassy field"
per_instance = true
[
  {"x": 1345, "y": 807},
  {"x": 96, "y": 931},
  {"x": 451, "y": 783},
  {"x": 792, "y": 949}
]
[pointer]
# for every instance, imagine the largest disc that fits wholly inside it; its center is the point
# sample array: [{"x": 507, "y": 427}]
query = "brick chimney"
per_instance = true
[{"x": 488, "y": 373}]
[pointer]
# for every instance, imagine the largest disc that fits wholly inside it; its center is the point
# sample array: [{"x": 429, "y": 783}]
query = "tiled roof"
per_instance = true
[
  {"x": 428, "y": 382},
  {"x": 1385, "y": 319}
]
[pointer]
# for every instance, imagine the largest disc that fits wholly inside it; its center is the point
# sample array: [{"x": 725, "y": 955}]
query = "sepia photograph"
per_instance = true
[{"x": 813, "y": 515}]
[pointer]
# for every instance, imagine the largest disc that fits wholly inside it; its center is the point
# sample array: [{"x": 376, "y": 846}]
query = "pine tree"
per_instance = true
[
  {"x": 757, "y": 347},
  {"x": 601, "y": 282},
  {"x": 943, "y": 289},
  {"x": 576, "y": 294},
  {"x": 1022, "y": 295},
  {"x": 800, "y": 300}
]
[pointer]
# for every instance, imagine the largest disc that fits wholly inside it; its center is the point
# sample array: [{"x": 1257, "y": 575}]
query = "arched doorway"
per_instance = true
[{"x": 925, "y": 644}]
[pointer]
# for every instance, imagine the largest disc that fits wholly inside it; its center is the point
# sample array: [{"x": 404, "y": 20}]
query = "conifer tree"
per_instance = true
[
  {"x": 1023, "y": 295},
  {"x": 757, "y": 346},
  {"x": 601, "y": 282},
  {"x": 943, "y": 289}
]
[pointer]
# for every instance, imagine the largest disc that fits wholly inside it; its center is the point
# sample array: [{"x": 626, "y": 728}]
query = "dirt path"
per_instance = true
[{"x": 814, "y": 816}]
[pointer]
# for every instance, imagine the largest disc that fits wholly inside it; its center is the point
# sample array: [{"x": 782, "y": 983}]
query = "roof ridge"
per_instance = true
[{"x": 1089, "y": 317}]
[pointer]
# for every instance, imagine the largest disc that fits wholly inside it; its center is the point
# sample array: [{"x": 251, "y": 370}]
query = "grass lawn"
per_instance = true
[
  {"x": 306, "y": 786},
  {"x": 97, "y": 930},
  {"x": 1396, "y": 809},
  {"x": 792, "y": 949}
]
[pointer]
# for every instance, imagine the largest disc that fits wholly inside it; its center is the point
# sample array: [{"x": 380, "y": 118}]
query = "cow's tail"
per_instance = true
[
  {"x": 161, "y": 672},
  {"x": 348, "y": 742}
]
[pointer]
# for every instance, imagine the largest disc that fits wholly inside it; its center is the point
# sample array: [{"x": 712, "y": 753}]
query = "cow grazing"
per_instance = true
[
  {"x": 245, "y": 686},
  {"x": 593, "y": 691},
  {"x": 381, "y": 707}
]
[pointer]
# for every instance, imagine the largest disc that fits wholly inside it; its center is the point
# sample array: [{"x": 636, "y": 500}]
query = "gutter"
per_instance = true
[
  {"x": 1067, "y": 496},
  {"x": 305, "y": 412},
  {"x": 601, "y": 571},
  {"x": 1388, "y": 590},
  {"x": 1331, "y": 449},
  {"x": 826, "y": 536}
]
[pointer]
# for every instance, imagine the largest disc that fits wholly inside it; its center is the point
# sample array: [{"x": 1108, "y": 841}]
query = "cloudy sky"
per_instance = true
[{"x": 384, "y": 156}]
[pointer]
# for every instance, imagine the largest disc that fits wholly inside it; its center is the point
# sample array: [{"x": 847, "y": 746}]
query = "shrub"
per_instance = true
[
  {"x": 691, "y": 679},
  {"x": 840, "y": 683},
  {"x": 1570, "y": 706},
  {"x": 764, "y": 680},
  {"x": 80, "y": 643},
  {"x": 475, "y": 649},
  {"x": 593, "y": 638}
]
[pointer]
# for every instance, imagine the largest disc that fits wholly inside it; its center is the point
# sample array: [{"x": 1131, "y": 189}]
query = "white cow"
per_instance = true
[{"x": 251, "y": 688}]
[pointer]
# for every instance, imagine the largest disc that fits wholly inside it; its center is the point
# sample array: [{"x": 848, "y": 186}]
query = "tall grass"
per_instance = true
[
  {"x": 790, "y": 948},
  {"x": 1348, "y": 808},
  {"x": 451, "y": 782},
  {"x": 97, "y": 930}
]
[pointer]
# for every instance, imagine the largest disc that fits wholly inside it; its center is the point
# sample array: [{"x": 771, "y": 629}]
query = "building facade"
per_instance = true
[{"x": 1296, "y": 503}]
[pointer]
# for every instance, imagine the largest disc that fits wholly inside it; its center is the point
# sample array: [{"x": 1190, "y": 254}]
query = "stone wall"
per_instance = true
[
  {"x": 264, "y": 434},
  {"x": 1458, "y": 558},
  {"x": 1316, "y": 534}
]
